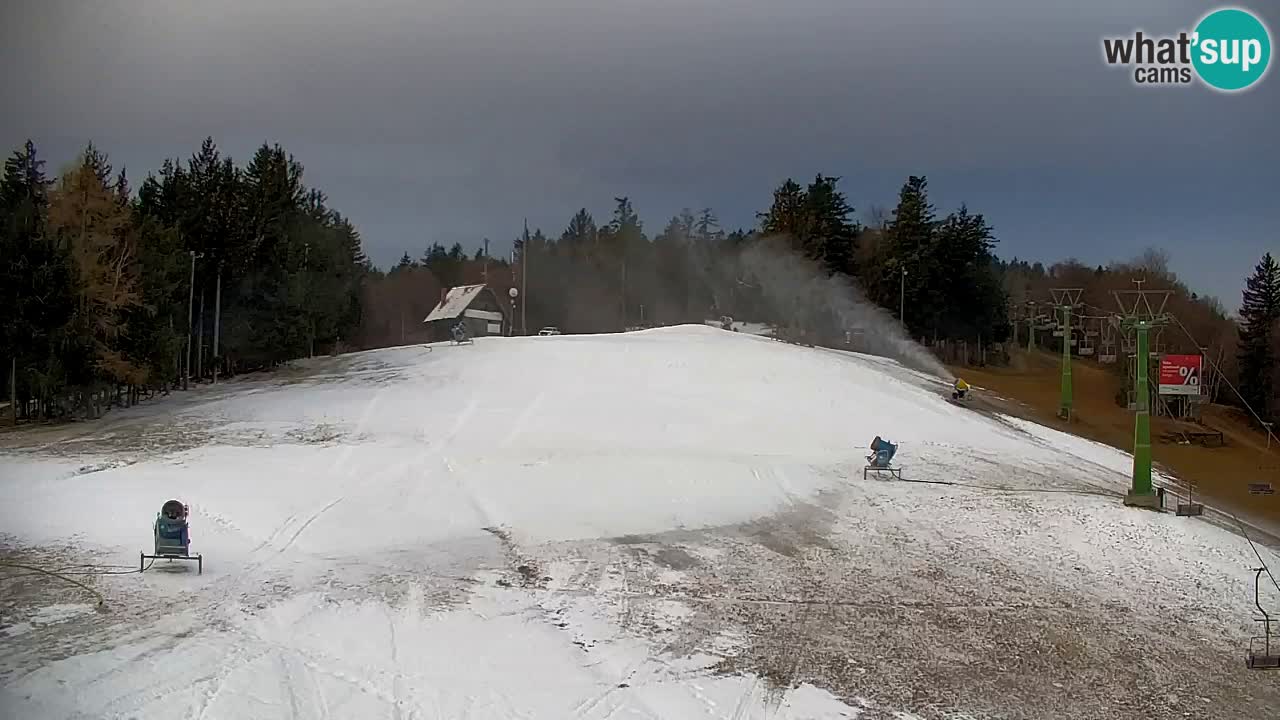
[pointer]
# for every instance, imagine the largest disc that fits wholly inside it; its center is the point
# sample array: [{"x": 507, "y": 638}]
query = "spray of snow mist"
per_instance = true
[{"x": 793, "y": 287}]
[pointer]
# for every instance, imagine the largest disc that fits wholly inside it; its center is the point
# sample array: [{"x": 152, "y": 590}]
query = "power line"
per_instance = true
[
  {"x": 1224, "y": 379},
  {"x": 1254, "y": 547},
  {"x": 1243, "y": 531}
]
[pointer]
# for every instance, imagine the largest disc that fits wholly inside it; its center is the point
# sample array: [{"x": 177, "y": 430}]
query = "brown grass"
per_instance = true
[{"x": 1221, "y": 474}]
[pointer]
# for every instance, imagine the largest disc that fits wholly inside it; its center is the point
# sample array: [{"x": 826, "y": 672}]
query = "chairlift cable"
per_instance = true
[{"x": 1254, "y": 547}]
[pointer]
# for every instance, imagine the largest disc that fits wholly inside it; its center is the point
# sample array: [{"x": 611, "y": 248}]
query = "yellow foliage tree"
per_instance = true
[{"x": 91, "y": 218}]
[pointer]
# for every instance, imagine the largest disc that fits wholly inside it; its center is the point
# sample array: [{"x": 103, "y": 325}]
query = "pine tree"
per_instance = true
[
  {"x": 446, "y": 264},
  {"x": 156, "y": 325},
  {"x": 909, "y": 240},
  {"x": 623, "y": 257},
  {"x": 101, "y": 282},
  {"x": 787, "y": 216},
  {"x": 35, "y": 283},
  {"x": 671, "y": 257},
  {"x": 707, "y": 227},
  {"x": 834, "y": 235},
  {"x": 815, "y": 222},
  {"x": 976, "y": 304},
  {"x": 1259, "y": 328},
  {"x": 581, "y": 234}
]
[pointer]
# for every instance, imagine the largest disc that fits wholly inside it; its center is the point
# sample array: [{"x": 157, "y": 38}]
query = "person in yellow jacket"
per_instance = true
[{"x": 961, "y": 387}]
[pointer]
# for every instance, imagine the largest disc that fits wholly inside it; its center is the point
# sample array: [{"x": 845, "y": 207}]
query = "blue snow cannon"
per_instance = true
[
  {"x": 882, "y": 452},
  {"x": 172, "y": 536}
]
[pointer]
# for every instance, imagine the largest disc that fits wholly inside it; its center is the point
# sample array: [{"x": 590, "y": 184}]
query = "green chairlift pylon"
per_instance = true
[
  {"x": 1064, "y": 300},
  {"x": 1141, "y": 317}
]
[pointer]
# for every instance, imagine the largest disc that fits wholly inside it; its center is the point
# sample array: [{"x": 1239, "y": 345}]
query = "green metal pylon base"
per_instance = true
[{"x": 1150, "y": 501}]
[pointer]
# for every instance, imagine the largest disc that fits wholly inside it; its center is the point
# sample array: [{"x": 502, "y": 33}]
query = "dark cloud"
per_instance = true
[{"x": 453, "y": 120}]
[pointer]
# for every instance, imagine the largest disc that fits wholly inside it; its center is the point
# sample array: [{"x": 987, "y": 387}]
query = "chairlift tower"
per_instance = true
[
  {"x": 1141, "y": 312},
  {"x": 1064, "y": 300},
  {"x": 1013, "y": 310},
  {"x": 1030, "y": 309}
]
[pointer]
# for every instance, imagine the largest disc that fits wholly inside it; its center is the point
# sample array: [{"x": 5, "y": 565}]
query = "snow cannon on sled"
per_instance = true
[
  {"x": 960, "y": 393},
  {"x": 882, "y": 452},
  {"x": 460, "y": 334},
  {"x": 172, "y": 537}
]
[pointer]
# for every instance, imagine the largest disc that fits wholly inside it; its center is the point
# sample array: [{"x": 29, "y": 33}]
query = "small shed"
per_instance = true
[{"x": 477, "y": 306}]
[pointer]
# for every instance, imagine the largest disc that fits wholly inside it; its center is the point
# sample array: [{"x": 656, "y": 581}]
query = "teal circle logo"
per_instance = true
[{"x": 1231, "y": 49}]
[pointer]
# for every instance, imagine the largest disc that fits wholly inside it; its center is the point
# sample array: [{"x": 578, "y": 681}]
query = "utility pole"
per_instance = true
[
  {"x": 524, "y": 282},
  {"x": 484, "y": 268},
  {"x": 1031, "y": 326},
  {"x": 1064, "y": 402},
  {"x": 1064, "y": 299},
  {"x": 902, "y": 301},
  {"x": 217, "y": 321},
  {"x": 1140, "y": 316},
  {"x": 200, "y": 338},
  {"x": 13, "y": 392},
  {"x": 1013, "y": 320},
  {"x": 311, "y": 323},
  {"x": 191, "y": 302},
  {"x": 511, "y": 326}
]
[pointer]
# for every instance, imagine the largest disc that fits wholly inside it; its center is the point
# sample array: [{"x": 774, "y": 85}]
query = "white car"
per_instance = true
[{"x": 549, "y": 331}]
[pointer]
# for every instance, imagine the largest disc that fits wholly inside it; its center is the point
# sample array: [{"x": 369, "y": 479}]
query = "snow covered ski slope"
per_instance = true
[{"x": 663, "y": 524}]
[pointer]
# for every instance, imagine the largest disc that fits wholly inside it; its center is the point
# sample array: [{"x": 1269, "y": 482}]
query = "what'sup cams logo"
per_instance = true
[{"x": 1229, "y": 50}]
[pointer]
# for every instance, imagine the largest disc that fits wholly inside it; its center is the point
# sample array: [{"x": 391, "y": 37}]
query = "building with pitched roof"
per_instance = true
[{"x": 476, "y": 306}]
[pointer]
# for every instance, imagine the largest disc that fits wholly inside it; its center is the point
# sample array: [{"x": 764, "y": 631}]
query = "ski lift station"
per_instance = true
[{"x": 477, "y": 307}]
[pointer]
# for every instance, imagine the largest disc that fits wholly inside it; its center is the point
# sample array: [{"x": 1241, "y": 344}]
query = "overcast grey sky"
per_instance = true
[{"x": 432, "y": 120}]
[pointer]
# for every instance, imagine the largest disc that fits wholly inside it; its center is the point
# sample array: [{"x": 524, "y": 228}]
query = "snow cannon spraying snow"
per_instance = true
[
  {"x": 882, "y": 452},
  {"x": 172, "y": 536}
]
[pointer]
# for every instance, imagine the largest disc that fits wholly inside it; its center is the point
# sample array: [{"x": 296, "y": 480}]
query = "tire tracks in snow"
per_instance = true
[
  {"x": 256, "y": 563},
  {"x": 799, "y": 628},
  {"x": 286, "y": 681},
  {"x": 252, "y": 646},
  {"x": 396, "y": 691},
  {"x": 314, "y": 516},
  {"x": 223, "y": 674}
]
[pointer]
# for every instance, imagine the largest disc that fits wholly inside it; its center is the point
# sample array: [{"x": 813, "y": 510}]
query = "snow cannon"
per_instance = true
[
  {"x": 460, "y": 334},
  {"x": 882, "y": 452},
  {"x": 172, "y": 536}
]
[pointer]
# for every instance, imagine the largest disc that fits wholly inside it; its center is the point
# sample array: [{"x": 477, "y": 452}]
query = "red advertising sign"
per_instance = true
[{"x": 1180, "y": 374}]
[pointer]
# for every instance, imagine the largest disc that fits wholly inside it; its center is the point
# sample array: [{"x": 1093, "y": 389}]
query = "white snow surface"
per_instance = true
[{"x": 348, "y": 513}]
